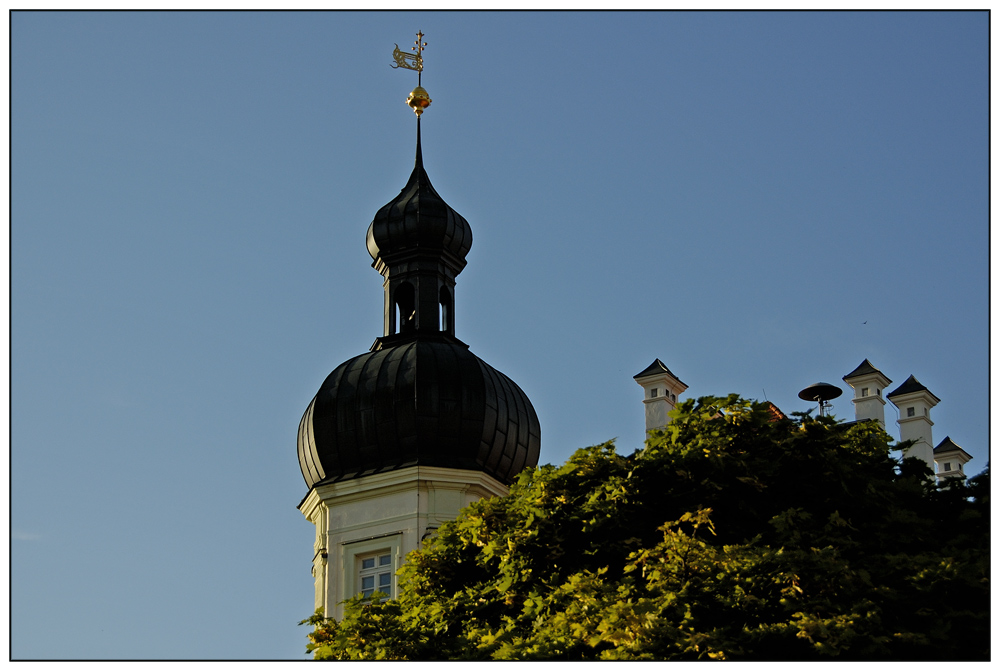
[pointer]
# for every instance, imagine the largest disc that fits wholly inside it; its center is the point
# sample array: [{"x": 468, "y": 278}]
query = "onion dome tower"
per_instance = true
[{"x": 399, "y": 439}]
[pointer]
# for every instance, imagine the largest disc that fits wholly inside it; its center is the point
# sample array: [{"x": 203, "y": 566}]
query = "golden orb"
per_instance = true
[{"x": 418, "y": 100}]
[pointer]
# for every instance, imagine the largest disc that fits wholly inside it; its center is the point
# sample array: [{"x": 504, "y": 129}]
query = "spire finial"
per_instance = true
[
  {"x": 418, "y": 99},
  {"x": 419, "y": 48},
  {"x": 420, "y": 157}
]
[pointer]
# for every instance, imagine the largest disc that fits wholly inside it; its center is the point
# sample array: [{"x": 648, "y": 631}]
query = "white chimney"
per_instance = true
[
  {"x": 661, "y": 389},
  {"x": 915, "y": 402},
  {"x": 869, "y": 384}
]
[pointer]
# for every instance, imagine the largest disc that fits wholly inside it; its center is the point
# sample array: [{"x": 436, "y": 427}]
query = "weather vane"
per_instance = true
[{"x": 418, "y": 99}]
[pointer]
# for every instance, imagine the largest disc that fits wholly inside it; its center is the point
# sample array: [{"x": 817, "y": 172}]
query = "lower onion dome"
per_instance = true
[{"x": 427, "y": 401}]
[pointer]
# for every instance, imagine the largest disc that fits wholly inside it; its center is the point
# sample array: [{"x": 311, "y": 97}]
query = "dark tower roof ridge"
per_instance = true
[
  {"x": 948, "y": 445},
  {"x": 910, "y": 386},
  {"x": 864, "y": 368},
  {"x": 656, "y": 368}
]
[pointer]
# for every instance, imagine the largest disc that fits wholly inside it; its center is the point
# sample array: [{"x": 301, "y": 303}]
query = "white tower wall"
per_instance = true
[
  {"x": 914, "y": 402},
  {"x": 919, "y": 430},
  {"x": 661, "y": 388},
  {"x": 382, "y": 514},
  {"x": 869, "y": 384}
]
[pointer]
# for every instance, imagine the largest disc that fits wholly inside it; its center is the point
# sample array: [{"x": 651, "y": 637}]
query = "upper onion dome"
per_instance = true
[
  {"x": 419, "y": 219},
  {"x": 424, "y": 401}
]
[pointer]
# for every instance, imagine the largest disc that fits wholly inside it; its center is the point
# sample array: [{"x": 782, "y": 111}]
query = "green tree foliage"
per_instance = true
[{"x": 731, "y": 535}]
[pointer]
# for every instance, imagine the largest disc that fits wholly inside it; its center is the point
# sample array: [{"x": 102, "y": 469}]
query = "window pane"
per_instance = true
[
  {"x": 367, "y": 582},
  {"x": 384, "y": 580},
  {"x": 384, "y": 560},
  {"x": 368, "y": 592},
  {"x": 368, "y": 563}
]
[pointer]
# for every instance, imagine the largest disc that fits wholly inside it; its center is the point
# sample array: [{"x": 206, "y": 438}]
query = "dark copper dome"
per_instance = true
[
  {"x": 420, "y": 397},
  {"x": 429, "y": 402}
]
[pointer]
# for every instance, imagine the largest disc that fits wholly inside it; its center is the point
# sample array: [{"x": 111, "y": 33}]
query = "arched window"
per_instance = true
[
  {"x": 447, "y": 317},
  {"x": 405, "y": 307}
]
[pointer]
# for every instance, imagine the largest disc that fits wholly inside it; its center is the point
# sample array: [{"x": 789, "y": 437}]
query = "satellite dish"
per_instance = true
[{"x": 821, "y": 392}]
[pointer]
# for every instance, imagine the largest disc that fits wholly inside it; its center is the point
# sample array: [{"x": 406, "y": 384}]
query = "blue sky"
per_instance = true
[{"x": 761, "y": 200}]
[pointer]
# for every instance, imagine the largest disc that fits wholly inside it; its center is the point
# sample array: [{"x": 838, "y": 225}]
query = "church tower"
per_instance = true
[{"x": 398, "y": 440}]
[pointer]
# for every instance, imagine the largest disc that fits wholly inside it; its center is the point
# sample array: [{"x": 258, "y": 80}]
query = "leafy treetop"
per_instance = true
[{"x": 730, "y": 535}]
